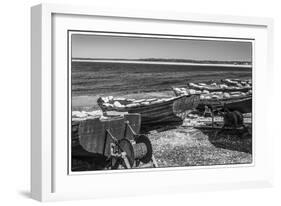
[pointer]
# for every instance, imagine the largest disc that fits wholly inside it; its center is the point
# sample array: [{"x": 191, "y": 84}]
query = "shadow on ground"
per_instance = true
[{"x": 230, "y": 141}]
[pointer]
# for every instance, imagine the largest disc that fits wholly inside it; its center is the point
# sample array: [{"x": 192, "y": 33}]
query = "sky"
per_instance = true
[{"x": 113, "y": 47}]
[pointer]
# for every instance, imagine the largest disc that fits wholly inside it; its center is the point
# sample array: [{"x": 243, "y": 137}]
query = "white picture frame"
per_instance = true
[{"x": 50, "y": 179}]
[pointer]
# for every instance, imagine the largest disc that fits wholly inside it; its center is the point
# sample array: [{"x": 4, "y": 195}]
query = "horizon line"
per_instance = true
[{"x": 160, "y": 61}]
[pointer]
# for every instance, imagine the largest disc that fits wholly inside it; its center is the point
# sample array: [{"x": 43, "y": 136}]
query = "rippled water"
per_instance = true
[{"x": 100, "y": 78}]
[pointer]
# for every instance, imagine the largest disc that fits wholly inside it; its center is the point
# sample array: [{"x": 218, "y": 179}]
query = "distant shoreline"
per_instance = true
[{"x": 168, "y": 62}]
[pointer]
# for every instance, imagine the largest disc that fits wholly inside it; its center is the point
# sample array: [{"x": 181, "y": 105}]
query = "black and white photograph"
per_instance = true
[{"x": 151, "y": 101}]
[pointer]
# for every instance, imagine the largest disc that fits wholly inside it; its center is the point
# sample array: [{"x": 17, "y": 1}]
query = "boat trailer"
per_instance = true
[{"x": 233, "y": 122}]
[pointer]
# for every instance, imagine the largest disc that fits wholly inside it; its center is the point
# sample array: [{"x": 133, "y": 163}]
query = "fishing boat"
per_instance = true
[
  {"x": 155, "y": 113},
  {"x": 239, "y": 101},
  {"x": 226, "y": 85},
  {"x": 241, "y": 104}
]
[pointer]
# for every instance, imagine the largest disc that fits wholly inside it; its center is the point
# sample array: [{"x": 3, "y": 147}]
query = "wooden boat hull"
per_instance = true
[
  {"x": 243, "y": 105},
  {"x": 168, "y": 113}
]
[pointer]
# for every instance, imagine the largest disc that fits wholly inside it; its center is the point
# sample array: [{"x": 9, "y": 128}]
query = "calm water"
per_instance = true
[{"x": 96, "y": 78}]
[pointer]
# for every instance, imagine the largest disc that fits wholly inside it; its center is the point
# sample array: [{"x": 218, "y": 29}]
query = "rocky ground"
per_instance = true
[
  {"x": 192, "y": 144},
  {"x": 188, "y": 145}
]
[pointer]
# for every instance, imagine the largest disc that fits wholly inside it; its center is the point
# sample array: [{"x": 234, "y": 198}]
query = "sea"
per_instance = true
[{"x": 103, "y": 78}]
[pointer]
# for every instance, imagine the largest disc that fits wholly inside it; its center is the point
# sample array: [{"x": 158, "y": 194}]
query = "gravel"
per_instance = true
[{"x": 187, "y": 146}]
